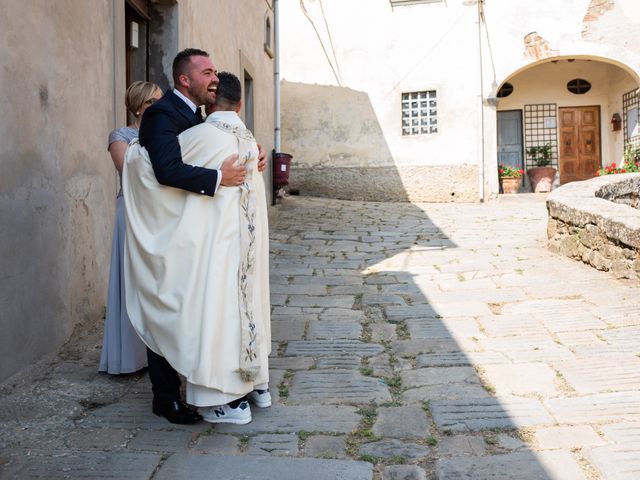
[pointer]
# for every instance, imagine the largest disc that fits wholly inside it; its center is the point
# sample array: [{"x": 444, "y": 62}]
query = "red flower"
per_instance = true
[
  {"x": 613, "y": 165},
  {"x": 598, "y": 173},
  {"x": 623, "y": 171},
  {"x": 521, "y": 171}
]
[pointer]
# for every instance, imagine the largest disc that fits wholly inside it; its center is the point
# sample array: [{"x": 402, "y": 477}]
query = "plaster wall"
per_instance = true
[
  {"x": 388, "y": 51},
  {"x": 58, "y": 186},
  {"x": 233, "y": 34}
]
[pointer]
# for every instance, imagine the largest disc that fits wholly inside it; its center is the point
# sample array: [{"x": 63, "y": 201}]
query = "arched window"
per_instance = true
[
  {"x": 578, "y": 86},
  {"x": 268, "y": 35}
]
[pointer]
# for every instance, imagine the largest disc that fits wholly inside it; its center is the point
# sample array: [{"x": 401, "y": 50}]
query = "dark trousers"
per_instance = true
[{"x": 165, "y": 382}]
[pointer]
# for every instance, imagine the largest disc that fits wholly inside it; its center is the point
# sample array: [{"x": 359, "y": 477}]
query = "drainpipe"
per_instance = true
[
  {"x": 482, "y": 139},
  {"x": 276, "y": 73}
]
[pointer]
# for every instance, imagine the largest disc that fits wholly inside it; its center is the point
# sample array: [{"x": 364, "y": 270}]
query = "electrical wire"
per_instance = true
[
  {"x": 306, "y": 14},
  {"x": 333, "y": 50}
]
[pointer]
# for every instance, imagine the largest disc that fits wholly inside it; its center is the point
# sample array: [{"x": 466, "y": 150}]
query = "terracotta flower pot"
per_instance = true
[
  {"x": 541, "y": 178},
  {"x": 510, "y": 184}
]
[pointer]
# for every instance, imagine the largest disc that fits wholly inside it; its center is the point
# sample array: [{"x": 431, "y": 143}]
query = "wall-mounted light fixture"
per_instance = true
[{"x": 616, "y": 122}]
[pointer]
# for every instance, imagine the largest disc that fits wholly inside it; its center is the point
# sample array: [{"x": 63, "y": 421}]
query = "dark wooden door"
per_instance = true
[{"x": 579, "y": 143}]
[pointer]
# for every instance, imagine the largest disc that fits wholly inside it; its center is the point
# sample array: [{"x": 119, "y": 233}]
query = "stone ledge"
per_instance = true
[{"x": 586, "y": 223}]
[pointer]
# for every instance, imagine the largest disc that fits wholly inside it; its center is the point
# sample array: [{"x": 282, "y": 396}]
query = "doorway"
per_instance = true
[
  {"x": 510, "y": 145},
  {"x": 580, "y": 155}
]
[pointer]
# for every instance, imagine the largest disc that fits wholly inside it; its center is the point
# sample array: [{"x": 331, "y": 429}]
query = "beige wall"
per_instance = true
[
  {"x": 58, "y": 185},
  {"x": 388, "y": 51},
  {"x": 62, "y": 85}
]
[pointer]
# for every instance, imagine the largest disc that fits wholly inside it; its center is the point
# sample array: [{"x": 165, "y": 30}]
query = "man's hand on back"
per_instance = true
[
  {"x": 232, "y": 174},
  {"x": 262, "y": 159}
]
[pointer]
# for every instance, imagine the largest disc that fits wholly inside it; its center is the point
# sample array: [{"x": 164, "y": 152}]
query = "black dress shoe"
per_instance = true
[{"x": 176, "y": 412}]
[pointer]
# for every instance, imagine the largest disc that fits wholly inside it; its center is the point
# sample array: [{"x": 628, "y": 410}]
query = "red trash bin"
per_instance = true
[{"x": 281, "y": 169}]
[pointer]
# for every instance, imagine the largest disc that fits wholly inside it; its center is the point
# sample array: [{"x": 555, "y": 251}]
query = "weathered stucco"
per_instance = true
[
  {"x": 58, "y": 185},
  {"x": 63, "y": 84},
  {"x": 371, "y": 59}
]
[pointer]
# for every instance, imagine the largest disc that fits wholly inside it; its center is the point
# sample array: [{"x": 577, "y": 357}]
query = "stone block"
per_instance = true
[
  {"x": 281, "y": 445},
  {"x": 403, "y": 472},
  {"x": 325, "y": 446},
  {"x": 394, "y": 448},
  {"x": 578, "y": 436},
  {"x": 401, "y": 422}
]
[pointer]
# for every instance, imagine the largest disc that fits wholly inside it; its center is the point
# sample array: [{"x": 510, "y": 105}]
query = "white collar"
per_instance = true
[
  {"x": 191, "y": 105},
  {"x": 226, "y": 116}
]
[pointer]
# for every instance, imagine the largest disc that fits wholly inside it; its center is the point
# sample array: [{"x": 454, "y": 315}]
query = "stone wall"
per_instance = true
[{"x": 592, "y": 221}]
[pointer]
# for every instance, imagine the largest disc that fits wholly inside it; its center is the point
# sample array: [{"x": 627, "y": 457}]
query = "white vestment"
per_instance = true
[{"x": 196, "y": 267}]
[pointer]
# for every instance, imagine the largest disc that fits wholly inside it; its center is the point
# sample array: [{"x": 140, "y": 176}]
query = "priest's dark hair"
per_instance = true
[
  {"x": 182, "y": 61},
  {"x": 229, "y": 91}
]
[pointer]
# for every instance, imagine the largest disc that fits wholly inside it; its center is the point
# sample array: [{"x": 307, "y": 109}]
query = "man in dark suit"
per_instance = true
[{"x": 195, "y": 84}]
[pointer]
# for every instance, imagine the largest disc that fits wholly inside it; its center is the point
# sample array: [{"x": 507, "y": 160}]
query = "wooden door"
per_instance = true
[{"x": 579, "y": 143}]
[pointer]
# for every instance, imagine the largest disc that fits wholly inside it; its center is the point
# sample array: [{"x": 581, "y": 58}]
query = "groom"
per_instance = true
[{"x": 195, "y": 84}]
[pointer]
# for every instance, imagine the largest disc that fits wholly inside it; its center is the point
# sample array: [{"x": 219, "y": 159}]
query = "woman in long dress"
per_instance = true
[{"x": 122, "y": 349}]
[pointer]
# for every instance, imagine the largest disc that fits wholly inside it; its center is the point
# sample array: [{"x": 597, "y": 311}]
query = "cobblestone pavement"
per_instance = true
[{"x": 409, "y": 342}]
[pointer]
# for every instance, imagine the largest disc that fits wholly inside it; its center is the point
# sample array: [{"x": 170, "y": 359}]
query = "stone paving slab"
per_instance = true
[
  {"x": 461, "y": 445},
  {"x": 625, "y": 339},
  {"x": 616, "y": 462},
  {"x": 292, "y": 419},
  {"x": 84, "y": 465},
  {"x": 598, "y": 408},
  {"x": 330, "y": 348},
  {"x": 475, "y": 414},
  {"x": 522, "y": 379},
  {"x": 578, "y": 436},
  {"x": 336, "y": 387},
  {"x": 628, "y": 432},
  {"x": 460, "y": 359},
  {"x": 394, "y": 448},
  {"x": 403, "y": 472},
  {"x": 279, "y": 445},
  {"x": 217, "y": 445},
  {"x": 593, "y": 375},
  {"x": 441, "y": 328},
  {"x": 284, "y": 330},
  {"x": 332, "y": 329},
  {"x": 554, "y": 465},
  {"x": 511, "y": 325},
  {"x": 343, "y": 362},
  {"x": 325, "y": 446},
  {"x": 160, "y": 441},
  {"x": 401, "y": 422},
  {"x": 181, "y": 466}
]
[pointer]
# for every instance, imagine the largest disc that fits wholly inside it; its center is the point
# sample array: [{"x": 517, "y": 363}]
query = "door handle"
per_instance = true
[
  {"x": 588, "y": 142},
  {"x": 567, "y": 143}
]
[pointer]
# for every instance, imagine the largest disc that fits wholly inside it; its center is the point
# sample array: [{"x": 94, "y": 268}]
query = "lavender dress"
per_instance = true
[{"x": 122, "y": 349}]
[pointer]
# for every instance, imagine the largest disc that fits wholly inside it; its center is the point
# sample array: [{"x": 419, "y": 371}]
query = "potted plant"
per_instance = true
[
  {"x": 541, "y": 176},
  {"x": 509, "y": 178}
]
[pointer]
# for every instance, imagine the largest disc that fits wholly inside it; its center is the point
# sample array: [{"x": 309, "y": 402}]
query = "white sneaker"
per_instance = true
[
  {"x": 240, "y": 415},
  {"x": 260, "y": 398}
]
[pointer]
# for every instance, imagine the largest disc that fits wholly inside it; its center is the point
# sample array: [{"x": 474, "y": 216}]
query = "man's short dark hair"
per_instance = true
[
  {"x": 182, "y": 61},
  {"x": 229, "y": 88}
]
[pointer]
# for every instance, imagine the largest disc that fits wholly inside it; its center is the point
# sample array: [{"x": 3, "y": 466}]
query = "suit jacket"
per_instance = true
[{"x": 161, "y": 124}]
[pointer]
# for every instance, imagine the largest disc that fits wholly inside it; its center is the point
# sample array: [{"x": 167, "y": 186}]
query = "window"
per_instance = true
[
  {"x": 268, "y": 35},
  {"x": 631, "y": 128},
  {"x": 578, "y": 86},
  {"x": 248, "y": 100},
  {"x": 505, "y": 90},
  {"x": 419, "y": 113}
]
